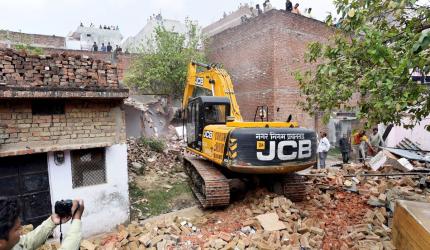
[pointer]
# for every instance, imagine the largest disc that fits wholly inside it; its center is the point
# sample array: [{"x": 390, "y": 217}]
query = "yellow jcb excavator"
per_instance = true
[{"x": 222, "y": 147}]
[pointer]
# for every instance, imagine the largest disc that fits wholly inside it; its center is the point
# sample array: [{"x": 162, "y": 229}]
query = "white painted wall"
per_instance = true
[
  {"x": 136, "y": 43},
  {"x": 106, "y": 205},
  {"x": 417, "y": 134}
]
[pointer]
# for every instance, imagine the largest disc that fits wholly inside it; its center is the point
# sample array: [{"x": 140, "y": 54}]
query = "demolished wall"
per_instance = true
[{"x": 148, "y": 115}]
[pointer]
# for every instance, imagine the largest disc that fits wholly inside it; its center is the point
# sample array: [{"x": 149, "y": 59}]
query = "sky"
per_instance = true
[{"x": 59, "y": 17}]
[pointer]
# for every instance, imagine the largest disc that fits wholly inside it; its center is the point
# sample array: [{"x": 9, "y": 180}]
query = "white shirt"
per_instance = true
[
  {"x": 324, "y": 145},
  {"x": 376, "y": 140}
]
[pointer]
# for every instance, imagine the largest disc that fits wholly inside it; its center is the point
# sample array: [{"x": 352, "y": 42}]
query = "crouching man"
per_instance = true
[{"x": 10, "y": 227}]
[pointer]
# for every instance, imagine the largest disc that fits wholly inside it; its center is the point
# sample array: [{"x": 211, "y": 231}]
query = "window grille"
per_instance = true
[{"x": 88, "y": 167}]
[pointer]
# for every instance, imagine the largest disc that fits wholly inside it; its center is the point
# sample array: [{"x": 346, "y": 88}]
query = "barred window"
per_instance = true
[{"x": 88, "y": 167}]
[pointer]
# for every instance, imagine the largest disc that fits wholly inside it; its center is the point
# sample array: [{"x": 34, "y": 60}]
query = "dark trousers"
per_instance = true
[{"x": 345, "y": 157}]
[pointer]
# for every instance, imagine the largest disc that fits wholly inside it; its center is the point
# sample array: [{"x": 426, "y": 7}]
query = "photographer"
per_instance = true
[{"x": 10, "y": 227}]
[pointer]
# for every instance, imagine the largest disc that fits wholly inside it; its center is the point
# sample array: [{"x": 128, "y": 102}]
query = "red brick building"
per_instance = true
[{"x": 262, "y": 56}]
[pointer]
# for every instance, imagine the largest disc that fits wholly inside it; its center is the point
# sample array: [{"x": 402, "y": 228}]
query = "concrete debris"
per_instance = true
[
  {"x": 404, "y": 165},
  {"x": 386, "y": 158},
  {"x": 378, "y": 160},
  {"x": 270, "y": 222}
]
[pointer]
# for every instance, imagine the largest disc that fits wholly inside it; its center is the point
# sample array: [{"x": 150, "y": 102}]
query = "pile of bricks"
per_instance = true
[
  {"x": 336, "y": 215},
  {"x": 367, "y": 203},
  {"x": 274, "y": 222},
  {"x": 19, "y": 69},
  {"x": 297, "y": 230}
]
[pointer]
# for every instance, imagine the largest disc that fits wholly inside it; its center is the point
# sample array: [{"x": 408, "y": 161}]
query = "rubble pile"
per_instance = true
[
  {"x": 273, "y": 222},
  {"x": 143, "y": 160},
  {"x": 19, "y": 69},
  {"x": 367, "y": 195},
  {"x": 159, "y": 236},
  {"x": 346, "y": 208},
  {"x": 339, "y": 213}
]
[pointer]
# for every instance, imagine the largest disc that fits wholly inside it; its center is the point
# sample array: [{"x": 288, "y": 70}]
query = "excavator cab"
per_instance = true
[{"x": 203, "y": 111}]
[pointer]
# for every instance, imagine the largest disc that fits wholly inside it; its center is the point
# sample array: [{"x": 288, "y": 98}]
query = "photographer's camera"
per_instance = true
[{"x": 64, "y": 208}]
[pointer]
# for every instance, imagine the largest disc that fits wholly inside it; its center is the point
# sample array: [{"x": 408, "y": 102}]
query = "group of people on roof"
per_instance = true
[{"x": 107, "y": 48}]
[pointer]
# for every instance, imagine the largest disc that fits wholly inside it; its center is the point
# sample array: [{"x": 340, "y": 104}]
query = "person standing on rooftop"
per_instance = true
[
  {"x": 296, "y": 9},
  {"x": 109, "y": 47},
  {"x": 259, "y": 11},
  {"x": 288, "y": 6},
  {"x": 95, "y": 47}
]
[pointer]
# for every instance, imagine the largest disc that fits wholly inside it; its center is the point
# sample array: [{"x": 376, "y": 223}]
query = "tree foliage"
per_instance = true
[
  {"x": 377, "y": 44},
  {"x": 31, "y": 50},
  {"x": 161, "y": 66}
]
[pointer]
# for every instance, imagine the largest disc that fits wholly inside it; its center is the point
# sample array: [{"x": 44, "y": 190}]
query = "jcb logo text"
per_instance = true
[{"x": 300, "y": 150}]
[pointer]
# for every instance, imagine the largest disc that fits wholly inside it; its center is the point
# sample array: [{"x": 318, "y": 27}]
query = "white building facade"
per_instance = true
[
  {"x": 140, "y": 41},
  {"x": 83, "y": 38}
]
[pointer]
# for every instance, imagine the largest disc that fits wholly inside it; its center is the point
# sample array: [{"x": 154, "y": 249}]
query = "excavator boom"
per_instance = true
[{"x": 213, "y": 79}]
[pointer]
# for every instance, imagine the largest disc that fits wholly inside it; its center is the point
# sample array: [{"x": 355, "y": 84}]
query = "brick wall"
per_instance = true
[
  {"x": 57, "y": 75},
  {"x": 122, "y": 61},
  {"x": 44, "y": 41},
  {"x": 61, "y": 70},
  {"x": 246, "y": 51},
  {"x": 262, "y": 56},
  {"x": 57, "y": 45},
  {"x": 85, "y": 123}
]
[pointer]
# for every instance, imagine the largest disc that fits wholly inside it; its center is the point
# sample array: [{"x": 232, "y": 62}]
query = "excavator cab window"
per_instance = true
[
  {"x": 203, "y": 111},
  {"x": 215, "y": 114}
]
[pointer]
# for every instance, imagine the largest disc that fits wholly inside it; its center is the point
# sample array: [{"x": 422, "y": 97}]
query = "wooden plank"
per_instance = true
[{"x": 411, "y": 225}]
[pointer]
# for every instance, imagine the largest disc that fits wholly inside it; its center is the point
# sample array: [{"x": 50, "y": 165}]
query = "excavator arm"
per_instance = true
[{"x": 213, "y": 79}]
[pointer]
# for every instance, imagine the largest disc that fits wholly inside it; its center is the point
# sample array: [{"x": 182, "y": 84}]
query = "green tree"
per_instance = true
[
  {"x": 29, "y": 49},
  {"x": 161, "y": 66},
  {"x": 377, "y": 44}
]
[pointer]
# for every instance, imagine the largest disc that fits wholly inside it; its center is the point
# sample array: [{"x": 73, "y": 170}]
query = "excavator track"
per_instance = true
[
  {"x": 295, "y": 187},
  {"x": 209, "y": 185}
]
